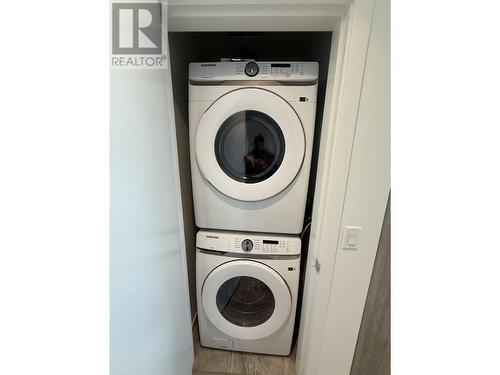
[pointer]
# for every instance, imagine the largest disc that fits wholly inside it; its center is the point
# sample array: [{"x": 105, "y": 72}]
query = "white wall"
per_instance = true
[
  {"x": 352, "y": 190},
  {"x": 365, "y": 202},
  {"x": 150, "y": 318}
]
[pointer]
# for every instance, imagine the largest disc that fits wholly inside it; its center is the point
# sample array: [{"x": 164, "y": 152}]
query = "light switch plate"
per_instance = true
[{"x": 351, "y": 238}]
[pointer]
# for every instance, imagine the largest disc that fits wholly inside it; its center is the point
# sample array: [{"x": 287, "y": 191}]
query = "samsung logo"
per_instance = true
[
  {"x": 208, "y": 64},
  {"x": 216, "y": 237}
]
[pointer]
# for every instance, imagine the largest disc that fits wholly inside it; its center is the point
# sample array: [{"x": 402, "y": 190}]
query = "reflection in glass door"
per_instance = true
[{"x": 249, "y": 146}]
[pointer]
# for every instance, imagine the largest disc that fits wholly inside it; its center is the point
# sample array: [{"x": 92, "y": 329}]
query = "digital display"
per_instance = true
[
  {"x": 270, "y": 242},
  {"x": 280, "y": 65}
]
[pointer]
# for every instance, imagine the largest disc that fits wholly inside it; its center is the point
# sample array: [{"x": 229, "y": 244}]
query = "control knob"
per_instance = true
[
  {"x": 247, "y": 245},
  {"x": 251, "y": 69}
]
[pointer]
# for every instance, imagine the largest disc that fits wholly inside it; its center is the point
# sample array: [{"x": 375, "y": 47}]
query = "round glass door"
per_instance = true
[
  {"x": 249, "y": 146},
  {"x": 245, "y": 301}
]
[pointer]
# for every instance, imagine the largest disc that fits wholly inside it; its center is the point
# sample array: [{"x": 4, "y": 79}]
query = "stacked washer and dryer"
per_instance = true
[{"x": 251, "y": 129}]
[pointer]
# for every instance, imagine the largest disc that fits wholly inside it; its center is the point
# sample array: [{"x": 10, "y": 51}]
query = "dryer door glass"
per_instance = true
[
  {"x": 245, "y": 301},
  {"x": 249, "y": 146}
]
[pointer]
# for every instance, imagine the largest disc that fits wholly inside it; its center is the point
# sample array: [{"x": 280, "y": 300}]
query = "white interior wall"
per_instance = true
[
  {"x": 364, "y": 205},
  {"x": 327, "y": 310},
  {"x": 149, "y": 312},
  {"x": 341, "y": 105}
]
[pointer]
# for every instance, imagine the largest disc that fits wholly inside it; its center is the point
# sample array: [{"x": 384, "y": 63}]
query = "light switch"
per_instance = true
[{"x": 351, "y": 238}]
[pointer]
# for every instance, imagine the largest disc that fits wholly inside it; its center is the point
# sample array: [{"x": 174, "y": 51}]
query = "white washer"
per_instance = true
[
  {"x": 251, "y": 128},
  {"x": 247, "y": 288}
]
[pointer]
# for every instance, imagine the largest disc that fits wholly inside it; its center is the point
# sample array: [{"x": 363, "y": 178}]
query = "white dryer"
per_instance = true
[
  {"x": 251, "y": 130},
  {"x": 247, "y": 288}
]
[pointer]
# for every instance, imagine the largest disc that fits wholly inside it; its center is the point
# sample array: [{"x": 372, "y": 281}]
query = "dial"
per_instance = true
[
  {"x": 247, "y": 245},
  {"x": 251, "y": 69}
]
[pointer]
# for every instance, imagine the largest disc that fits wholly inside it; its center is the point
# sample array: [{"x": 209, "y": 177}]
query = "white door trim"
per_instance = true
[
  {"x": 256, "y": 15},
  {"x": 337, "y": 139},
  {"x": 336, "y": 299}
]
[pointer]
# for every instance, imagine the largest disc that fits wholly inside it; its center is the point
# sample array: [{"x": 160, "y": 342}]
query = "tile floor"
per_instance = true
[{"x": 221, "y": 362}]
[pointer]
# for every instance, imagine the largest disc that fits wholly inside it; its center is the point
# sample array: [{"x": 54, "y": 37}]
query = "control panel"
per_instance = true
[
  {"x": 253, "y": 70},
  {"x": 234, "y": 242},
  {"x": 287, "y": 69}
]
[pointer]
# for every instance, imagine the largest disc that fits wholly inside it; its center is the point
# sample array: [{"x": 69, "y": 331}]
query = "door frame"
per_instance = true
[
  {"x": 338, "y": 136},
  {"x": 351, "y": 23}
]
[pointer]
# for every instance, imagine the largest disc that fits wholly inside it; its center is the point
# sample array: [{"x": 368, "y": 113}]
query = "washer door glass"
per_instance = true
[
  {"x": 245, "y": 301},
  {"x": 249, "y": 146}
]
